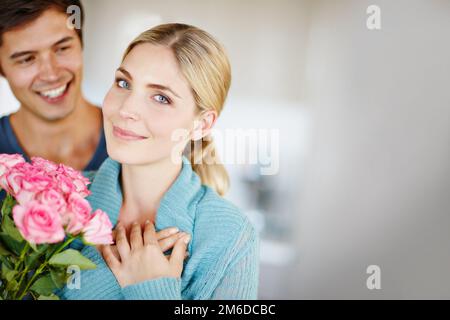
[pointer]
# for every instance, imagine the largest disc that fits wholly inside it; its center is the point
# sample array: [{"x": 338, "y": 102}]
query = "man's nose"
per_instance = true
[{"x": 49, "y": 69}]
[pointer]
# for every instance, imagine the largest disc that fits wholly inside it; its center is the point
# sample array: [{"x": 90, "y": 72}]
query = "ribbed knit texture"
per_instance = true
[{"x": 223, "y": 258}]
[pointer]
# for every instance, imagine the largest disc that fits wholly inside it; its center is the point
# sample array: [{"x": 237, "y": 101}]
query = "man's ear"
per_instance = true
[{"x": 204, "y": 124}]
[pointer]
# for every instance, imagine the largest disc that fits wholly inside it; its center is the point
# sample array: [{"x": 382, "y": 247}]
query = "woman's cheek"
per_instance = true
[{"x": 110, "y": 104}]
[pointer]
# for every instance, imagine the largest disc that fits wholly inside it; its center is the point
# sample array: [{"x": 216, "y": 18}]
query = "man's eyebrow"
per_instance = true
[
  {"x": 150, "y": 85},
  {"x": 63, "y": 40},
  {"x": 20, "y": 54},
  {"x": 25, "y": 53}
]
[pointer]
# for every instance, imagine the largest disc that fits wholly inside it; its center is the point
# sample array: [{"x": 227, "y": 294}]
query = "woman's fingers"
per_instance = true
[
  {"x": 115, "y": 251},
  {"x": 122, "y": 242},
  {"x": 136, "y": 236},
  {"x": 166, "y": 233},
  {"x": 109, "y": 257},
  {"x": 179, "y": 250},
  {"x": 168, "y": 243},
  {"x": 150, "y": 234}
]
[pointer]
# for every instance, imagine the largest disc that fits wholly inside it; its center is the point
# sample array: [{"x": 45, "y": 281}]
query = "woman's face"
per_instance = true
[{"x": 149, "y": 102}]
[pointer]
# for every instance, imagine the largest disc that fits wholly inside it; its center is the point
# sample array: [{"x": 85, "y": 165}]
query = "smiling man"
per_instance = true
[{"x": 41, "y": 57}]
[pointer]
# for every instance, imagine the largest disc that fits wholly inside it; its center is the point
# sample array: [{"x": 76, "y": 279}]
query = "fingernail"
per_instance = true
[
  {"x": 181, "y": 235},
  {"x": 135, "y": 223},
  {"x": 147, "y": 221},
  {"x": 187, "y": 239},
  {"x": 173, "y": 230}
]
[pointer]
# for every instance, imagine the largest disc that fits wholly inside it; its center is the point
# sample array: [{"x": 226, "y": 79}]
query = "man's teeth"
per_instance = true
[{"x": 55, "y": 93}]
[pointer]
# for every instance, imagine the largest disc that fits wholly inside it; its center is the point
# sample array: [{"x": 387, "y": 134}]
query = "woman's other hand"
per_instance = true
[{"x": 142, "y": 258}]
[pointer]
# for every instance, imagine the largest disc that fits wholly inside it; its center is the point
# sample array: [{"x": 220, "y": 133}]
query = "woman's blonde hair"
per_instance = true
[{"x": 205, "y": 65}]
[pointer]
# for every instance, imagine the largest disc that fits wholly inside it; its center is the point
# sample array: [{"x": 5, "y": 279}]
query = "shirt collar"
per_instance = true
[{"x": 176, "y": 207}]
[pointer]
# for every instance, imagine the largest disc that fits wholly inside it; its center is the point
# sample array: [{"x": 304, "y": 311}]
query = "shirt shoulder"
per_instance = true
[
  {"x": 219, "y": 220},
  {"x": 8, "y": 141}
]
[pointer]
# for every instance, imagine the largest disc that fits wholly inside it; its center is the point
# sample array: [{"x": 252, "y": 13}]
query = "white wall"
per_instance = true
[
  {"x": 377, "y": 188},
  {"x": 8, "y": 102}
]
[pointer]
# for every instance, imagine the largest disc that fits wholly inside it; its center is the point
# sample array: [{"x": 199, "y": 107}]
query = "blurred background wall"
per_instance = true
[{"x": 362, "y": 118}]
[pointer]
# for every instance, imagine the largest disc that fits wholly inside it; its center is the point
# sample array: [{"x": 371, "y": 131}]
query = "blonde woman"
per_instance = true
[{"x": 173, "y": 78}]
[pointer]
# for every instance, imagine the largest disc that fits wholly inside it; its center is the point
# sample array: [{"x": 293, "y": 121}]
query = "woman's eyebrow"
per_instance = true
[
  {"x": 164, "y": 88},
  {"x": 150, "y": 85}
]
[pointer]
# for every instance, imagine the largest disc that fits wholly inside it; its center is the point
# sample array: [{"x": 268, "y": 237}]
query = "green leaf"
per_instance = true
[
  {"x": 51, "y": 250},
  {"x": 71, "y": 257},
  {"x": 32, "y": 260},
  {"x": 59, "y": 277},
  {"x": 33, "y": 246},
  {"x": 7, "y": 273},
  {"x": 44, "y": 286},
  {"x": 4, "y": 251},
  {"x": 11, "y": 244},
  {"x": 10, "y": 229},
  {"x": 35, "y": 258},
  {"x": 12, "y": 286},
  {"x": 4, "y": 260},
  {"x": 50, "y": 297},
  {"x": 7, "y": 206}
]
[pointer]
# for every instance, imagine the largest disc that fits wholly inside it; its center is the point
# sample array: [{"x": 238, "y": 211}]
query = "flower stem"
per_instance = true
[{"x": 42, "y": 267}]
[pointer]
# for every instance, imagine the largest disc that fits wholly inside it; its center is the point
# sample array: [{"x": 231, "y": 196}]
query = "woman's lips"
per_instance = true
[{"x": 126, "y": 134}]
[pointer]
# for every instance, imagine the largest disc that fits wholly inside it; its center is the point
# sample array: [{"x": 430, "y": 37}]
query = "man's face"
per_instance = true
[{"x": 43, "y": 64}]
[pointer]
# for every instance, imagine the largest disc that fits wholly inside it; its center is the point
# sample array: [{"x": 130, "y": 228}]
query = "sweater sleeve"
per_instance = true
[
  {"x": 241, "y": 278},
  {"x": 155, "y": 289}
]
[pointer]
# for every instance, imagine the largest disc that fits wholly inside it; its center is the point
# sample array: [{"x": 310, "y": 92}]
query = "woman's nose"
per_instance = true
[
  {"x": 128, "y": 110},
  {"x": 128, "y": 114}
]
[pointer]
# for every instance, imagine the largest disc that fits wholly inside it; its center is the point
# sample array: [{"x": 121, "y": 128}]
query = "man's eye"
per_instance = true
[
  {"x": 123, "y": 84},
  {"x": 162, "y": 99},
  {"x": 62, "y": 49},
  {"x": 26, "y": 60}
]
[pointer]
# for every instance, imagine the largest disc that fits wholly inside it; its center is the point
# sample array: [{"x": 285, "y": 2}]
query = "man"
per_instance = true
[{"x": 41, "y": 58}]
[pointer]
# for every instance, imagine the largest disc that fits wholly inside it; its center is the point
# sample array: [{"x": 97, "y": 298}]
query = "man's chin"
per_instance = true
[{"x": 55, "y": 115}]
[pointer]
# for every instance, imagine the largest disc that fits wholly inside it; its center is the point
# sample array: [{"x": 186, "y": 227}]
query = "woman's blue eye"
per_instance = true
[
  {"x": 162, "y": 99},
  {"x": 123, "y": 84}
]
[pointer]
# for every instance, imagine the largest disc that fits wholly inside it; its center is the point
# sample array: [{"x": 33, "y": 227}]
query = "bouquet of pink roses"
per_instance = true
[{"x": 44, "y": 211}]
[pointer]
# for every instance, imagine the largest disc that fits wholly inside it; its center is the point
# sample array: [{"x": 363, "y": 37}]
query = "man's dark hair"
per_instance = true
[{"x": 17, "y": 13}]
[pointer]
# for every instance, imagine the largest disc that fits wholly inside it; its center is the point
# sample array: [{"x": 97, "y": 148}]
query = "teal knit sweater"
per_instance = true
[{"x": 223, "y": 260}]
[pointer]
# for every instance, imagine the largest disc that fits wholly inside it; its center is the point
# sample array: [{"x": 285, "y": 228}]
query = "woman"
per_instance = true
[{"x": 168, "y": 93}]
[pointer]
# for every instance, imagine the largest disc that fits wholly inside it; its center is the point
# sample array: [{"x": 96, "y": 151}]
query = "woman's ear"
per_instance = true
[{"x": 204, "y": 124}]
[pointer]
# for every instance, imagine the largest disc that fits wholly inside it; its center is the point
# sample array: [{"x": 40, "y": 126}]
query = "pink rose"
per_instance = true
[
  {"x": 54, "y": 199},
  {"x": 99, "y": 229},
  {"x": 24, "y": 182},
  {"x": 64, "y": 184},
  {"x": 8, "y": 161},
  {"x": 78, "y": 213},
  {"x": 44, "y": 165},
  {"x": 78, "y": 183},
  {"x": 38, "y": 223}
]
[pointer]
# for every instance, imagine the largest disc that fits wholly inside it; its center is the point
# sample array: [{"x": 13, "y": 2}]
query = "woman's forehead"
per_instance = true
[{"x": 154, "y": 64}]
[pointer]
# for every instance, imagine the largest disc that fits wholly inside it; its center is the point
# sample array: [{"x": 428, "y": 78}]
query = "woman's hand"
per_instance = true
[
  {"x": 166, "y": 239},
  {"x": 142, "y": 258}
]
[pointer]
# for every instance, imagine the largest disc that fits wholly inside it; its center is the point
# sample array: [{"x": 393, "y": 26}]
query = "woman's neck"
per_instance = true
[{"x": 143, "y": 187}]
